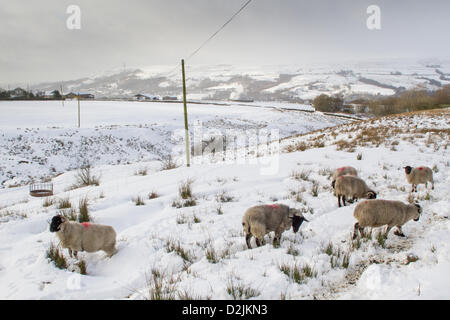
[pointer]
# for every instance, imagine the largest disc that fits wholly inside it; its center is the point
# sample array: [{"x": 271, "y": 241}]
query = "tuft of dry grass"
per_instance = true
[
  {"x": 55, "y": 255},
  {"x": 139, "y": 201},
  {"x": 153, "y": 195},
  {"x": 83, "y": 207},
  {"x": 64, "y": 203}
]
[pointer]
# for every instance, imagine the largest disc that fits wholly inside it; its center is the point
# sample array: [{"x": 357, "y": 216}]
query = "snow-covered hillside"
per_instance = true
[
  {"x": 41, "y": 139},
  {"x": 200, "y": 252},
  {"x": 266, "y": 83}
]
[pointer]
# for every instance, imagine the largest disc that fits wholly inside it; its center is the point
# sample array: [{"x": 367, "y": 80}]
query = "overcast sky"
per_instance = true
[{"x": 36, "y": 45}]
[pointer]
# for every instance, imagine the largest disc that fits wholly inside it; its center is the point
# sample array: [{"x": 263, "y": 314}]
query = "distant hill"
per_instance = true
[{"x": 269, "y": 83}]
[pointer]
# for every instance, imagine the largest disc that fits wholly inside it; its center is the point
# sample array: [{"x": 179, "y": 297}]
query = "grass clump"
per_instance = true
[
  {"x": 298, "y": 274},
  {"x": 315, "y": 189},
  {"x": 84, "y": 178},
  {"x": 139, "y": 201},
  {"x": 187, "y": 198},
  {"x": 240, "y": 291},
  {"x": 153, "y": 195},
  {"x": 161, "y": 287},
  {"x": 185, "y": 189},
  {"x": 301, "y": 175},
  {"x": 64, "y": 203},
  {"x": 175, "y": 246},
  {"x": 82, "y": 267},
  {"x": 211, "y": 255},
  {"x": 141, "y": 172},
  {"x": 48, "y": 202},
  {"x": 168, "y": 163},
  {"x": 83, "y": 207},
  {"x": 57, "y": 257},
  {"x": 223, "y": 196}
]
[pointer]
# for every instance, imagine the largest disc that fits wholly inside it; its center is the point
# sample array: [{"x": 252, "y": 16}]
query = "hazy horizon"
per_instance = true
[{"x": 38, "y": 47}]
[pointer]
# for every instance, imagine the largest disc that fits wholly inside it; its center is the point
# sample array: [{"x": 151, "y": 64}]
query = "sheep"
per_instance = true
[
  {"x": 342, "y": 171},
  {"x": 262, "y": 219},
  {"x": 85, "y": 236},
  {"x": 419, "y": 175},
  {"x": 352, "y": 187},
  {"x": 377, "y": 213}
]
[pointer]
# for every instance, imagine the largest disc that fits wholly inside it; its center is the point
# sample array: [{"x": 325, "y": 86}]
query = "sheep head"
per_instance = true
[
  {"x": 419, "y": 211},
  {"x": 371, "y": 195},
  {"x": 55, "y": 225},
  {"x": 408, "y": 169},
  {"x": 297, "y": 219}
]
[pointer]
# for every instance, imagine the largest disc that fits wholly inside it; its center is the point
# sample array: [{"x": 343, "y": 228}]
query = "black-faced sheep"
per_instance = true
[
  {"x": 419, "y": 175},
  {"x": 260, "y": 220},
  {"x": 377, "y": 213},
  {"x": 87, "y": 237},
  {"x": 341, "y": 172},
  {"x": 351, "y": 187}
]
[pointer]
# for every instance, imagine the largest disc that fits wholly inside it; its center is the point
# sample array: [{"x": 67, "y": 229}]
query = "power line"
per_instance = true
[
  {"x": 220, "y": 29},
  {"x": 213, "y": 35}
]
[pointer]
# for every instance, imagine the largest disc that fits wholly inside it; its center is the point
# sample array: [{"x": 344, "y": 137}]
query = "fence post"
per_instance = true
[
  {"x": 186, "y": 129},
  {"x": 79, "y": 114}
]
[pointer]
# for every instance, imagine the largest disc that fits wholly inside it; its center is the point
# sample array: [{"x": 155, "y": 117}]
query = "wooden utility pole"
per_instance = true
[
  {"x": 186, "y": 129},
  {"x": 79, "y": 121},
  {"x": 62, "y": 96}
]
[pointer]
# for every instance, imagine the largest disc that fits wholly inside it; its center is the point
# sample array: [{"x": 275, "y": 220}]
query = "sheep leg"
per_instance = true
[
  {"x": 339, "y": 201},
  {"x": 75, "y": 253},
  {"x": 259, "y": 242},
  {"x": 388, "y": 228},
  {"x": 399, "y": 232},
  {"x": 432, "y": 185},
  {"x": 343, "y": 200},
  {"x": 70, "y": 252},
  {"x": 276, "y": 240},
  {"x": 248, "y": 237},
  {"x": 357, "y": 229},
  {"x": 111, "y": 251}
]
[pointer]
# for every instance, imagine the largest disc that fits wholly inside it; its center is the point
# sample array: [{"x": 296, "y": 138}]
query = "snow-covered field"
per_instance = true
[
  {"x": 200, "y": 251},
  {"x": 41, "y": 139}
]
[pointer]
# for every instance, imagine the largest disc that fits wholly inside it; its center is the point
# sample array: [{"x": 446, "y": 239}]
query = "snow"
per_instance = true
[
  {"x": 44, "y": 140},
  {"x": 144, "y": 233},
  {"x": 268, "y": 82}
]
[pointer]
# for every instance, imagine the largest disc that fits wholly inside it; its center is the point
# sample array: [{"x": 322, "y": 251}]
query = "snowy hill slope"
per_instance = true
[
  {"x": 41, "y": 138},
  {"x": 265, "y": 83},
  {"x": 200, "y": 251}
]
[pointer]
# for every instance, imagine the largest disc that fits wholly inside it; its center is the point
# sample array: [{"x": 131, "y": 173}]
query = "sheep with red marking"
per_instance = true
[
  {"x": 341, "y": 172},
  {"x": 85, "y": 236},
  {"x": 419, "y": 175},
  {"x": 262, "y": 219},
  {"x": 352, "y": 188}
]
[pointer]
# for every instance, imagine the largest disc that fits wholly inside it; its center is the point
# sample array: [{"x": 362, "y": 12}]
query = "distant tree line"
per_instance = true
[
  {"x": 407, "y": 101},
  {"x": 410, "y": 100},
  {"x": 326, "y": 103},
  {"x": 22, "y": 94}
]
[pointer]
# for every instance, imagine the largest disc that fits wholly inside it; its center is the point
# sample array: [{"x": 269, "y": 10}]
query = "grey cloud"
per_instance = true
[{"x": 36, "y": 46}]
